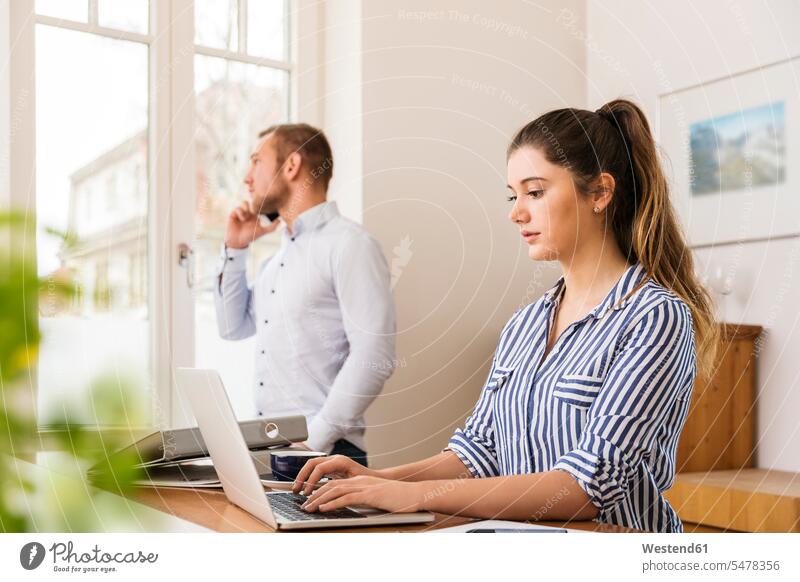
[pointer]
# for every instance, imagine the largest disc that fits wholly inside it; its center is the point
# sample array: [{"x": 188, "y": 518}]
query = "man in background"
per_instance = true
[{"x": 321, "y": 308}]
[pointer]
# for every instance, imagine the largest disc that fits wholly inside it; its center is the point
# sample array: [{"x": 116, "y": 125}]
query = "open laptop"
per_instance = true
[{"x": 240, "y": 481}]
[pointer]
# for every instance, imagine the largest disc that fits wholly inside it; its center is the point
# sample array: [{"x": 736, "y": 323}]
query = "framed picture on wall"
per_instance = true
[{"x": 733, "y": 147}]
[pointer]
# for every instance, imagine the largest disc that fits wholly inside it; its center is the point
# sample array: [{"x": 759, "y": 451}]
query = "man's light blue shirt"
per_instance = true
[{"x": 323, "y": 315}]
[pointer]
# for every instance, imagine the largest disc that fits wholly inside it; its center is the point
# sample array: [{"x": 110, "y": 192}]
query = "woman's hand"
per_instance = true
[
  {"x": 385, "y": 494},
  {"x": 337, "y": 466}
]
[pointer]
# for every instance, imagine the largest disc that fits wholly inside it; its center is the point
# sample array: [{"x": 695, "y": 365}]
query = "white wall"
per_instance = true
[
  {"x": 644, "y": 49},
  {"x": 443, "y": 86}
]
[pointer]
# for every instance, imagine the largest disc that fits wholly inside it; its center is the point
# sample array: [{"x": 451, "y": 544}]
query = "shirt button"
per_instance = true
[
  {"x": 266, "y": 321},
  {"x": 292, "y": 239},
  {"x": 263, "y": 351},
  {"x": 273, "y": 290},
  {"x": 281, "y": 264},
  {"x": 260, "y": 383}
]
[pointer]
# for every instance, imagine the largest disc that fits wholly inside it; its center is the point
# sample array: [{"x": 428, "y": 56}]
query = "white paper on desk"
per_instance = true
[{"x": 498, "y": 524}]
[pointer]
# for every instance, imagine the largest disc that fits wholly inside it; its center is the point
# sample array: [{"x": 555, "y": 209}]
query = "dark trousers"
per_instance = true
[{"x": 348, "y": 449}]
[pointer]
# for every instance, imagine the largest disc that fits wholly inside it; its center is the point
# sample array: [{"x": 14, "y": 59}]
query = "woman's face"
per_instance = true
[{"x": 552, "y": 216}]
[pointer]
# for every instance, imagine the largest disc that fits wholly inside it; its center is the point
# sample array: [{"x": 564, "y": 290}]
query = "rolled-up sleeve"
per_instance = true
[
  {"x": 653, "y": 369},
  {"x": 475, "y": 444}
]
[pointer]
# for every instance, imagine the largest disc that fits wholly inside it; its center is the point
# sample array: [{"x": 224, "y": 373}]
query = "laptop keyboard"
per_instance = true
[{"x": 287, "y": 505}]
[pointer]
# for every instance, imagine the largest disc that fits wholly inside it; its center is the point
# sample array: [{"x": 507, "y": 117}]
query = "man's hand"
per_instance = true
[{"x": 244, "y": 227}]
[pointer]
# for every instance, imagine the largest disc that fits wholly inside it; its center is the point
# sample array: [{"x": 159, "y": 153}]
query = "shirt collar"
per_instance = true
[
  {"x": 314, "y": 217},
  {"x": 632, "y": 276}
]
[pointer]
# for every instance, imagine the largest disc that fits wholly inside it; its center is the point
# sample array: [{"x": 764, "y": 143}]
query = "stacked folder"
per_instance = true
[{"x": 179, "y": 457}]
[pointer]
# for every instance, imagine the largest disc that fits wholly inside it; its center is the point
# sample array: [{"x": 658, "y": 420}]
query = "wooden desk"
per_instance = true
[{"x": 211, "y": 509}]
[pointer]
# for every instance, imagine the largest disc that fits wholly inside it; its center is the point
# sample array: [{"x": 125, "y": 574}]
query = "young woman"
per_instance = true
[{"x": 590, "y": 385}]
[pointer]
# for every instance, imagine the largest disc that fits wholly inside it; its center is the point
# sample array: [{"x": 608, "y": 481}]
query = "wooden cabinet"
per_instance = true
[
  {"x": 717, "y": 484},
  {"x": 720, "y": 429}
]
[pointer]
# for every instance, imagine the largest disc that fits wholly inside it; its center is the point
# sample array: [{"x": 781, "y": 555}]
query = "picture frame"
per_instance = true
[{"x": 729, "y": 145}]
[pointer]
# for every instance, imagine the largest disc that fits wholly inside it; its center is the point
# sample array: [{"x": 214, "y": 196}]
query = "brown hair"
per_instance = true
[
  {"x": 309, "y": 142},
  {"x": 617, "y": 139}
]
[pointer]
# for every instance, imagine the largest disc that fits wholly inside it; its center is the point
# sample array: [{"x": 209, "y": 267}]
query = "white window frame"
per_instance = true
[{"x": 171, "y": 197}]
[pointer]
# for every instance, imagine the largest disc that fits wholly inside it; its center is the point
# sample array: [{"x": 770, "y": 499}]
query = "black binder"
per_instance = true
[
  {"x": 175, "y": 457},
  {"x": 168, "y": 446}
]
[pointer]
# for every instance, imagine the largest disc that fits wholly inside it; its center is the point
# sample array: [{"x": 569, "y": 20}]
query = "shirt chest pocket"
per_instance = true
[
  {"x": 499, "y": 390},
  {"x": 578, "y": 390},
  {"x": 501, "y": 376}
]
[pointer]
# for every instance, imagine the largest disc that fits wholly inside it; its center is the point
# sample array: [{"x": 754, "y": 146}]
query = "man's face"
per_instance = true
[{"x": 265, "y": 181}]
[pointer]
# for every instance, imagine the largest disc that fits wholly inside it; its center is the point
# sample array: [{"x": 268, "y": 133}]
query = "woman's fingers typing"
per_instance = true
[
  {"x": 316, "y": 469},
  {"x": 326, "y": 494},
  {"x": 334, "y": 500},
  {"x": 309, "y": 475}
]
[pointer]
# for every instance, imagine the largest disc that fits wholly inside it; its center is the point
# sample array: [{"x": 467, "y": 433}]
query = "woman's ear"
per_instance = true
[{"x": 603, "y": 191}]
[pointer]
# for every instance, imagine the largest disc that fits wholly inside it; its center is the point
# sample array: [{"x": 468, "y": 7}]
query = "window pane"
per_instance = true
[
  {"x": 215, "y": 23},
  {"x": 234, "y": 102},
  {"x": 68, "y": 9},
  {"x": 266, "y": 29},
  {"x": 130, "y": 15},
  {"x": 91, "y": 183}
]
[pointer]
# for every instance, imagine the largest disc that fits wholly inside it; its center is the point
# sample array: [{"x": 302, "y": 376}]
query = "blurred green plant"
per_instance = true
[{"x": 67, "y": 500}]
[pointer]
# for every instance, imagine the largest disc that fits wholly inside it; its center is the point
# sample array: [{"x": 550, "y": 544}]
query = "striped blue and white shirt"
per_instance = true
[{"x": 607, "y": 405}]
